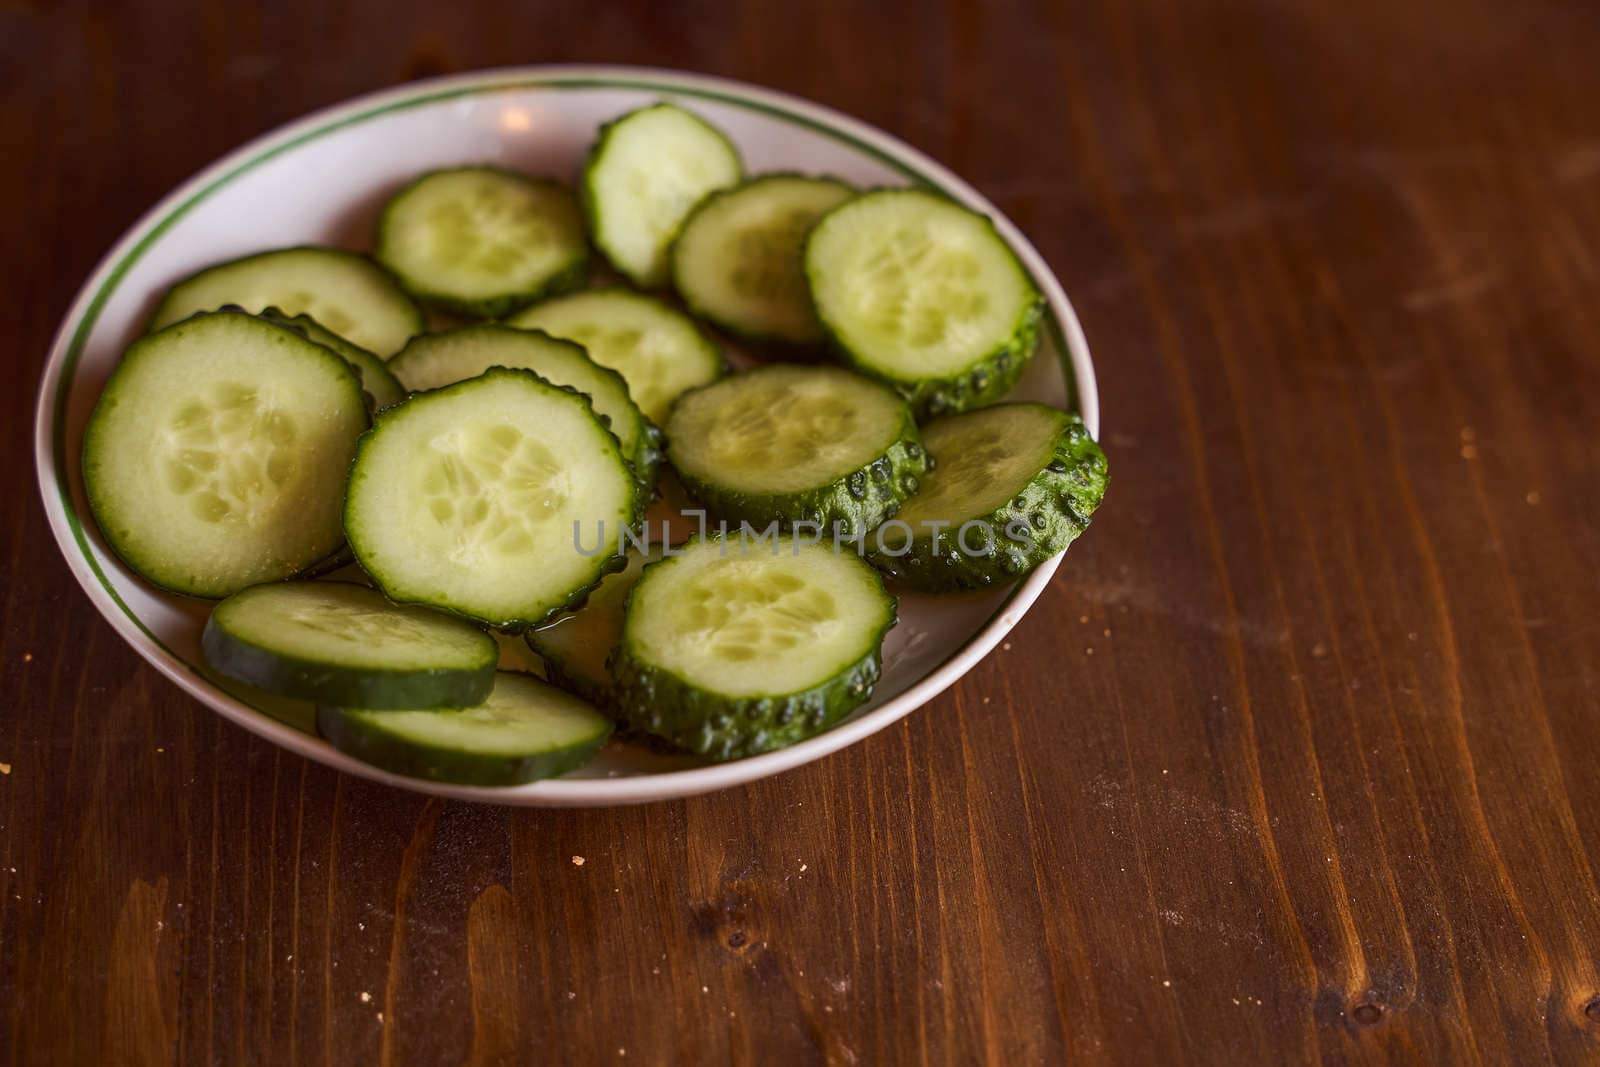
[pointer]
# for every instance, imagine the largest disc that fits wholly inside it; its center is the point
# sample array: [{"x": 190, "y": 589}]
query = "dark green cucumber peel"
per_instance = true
[
  {"x": 1055, "y": 507},
  {"x": 575, "y": 680},
  {"x": 342, "y": 558},
  {"x": 659, "y": 702},
  {"x": 363, "y": 687},
  {"x": 366, "y": 736},
  {"x": 603, "y": 695},
  {"x": 859, "y": 501},
  {"x": 381, "y": 386},
  {"x": 563, "y": 281}
]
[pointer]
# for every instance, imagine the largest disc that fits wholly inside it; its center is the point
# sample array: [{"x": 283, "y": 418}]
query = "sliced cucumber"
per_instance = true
[
  {"x": 737, "y": 261},
  {"x": 657, "y": 349},
  {"x": 381, "y": 386},
  {"x": 575, "y": 647},
  {"x": 216, "y": 456},
  {"x": 730, "y": 647},
  {"x": 524, "y": 730},
  {"x": 346, "y": 293},
  {"x": 341, "y": 643},
  {"x": 437, "y": 359},
  {"x": 921, "y": 293},
  {"x": 644, "y": 173},
  {"x": 502, "y": 498},
  {"x": 483, "y": 241},
  {"x": 1012, "y": 485},
  {"x": 791, "y": 444}
]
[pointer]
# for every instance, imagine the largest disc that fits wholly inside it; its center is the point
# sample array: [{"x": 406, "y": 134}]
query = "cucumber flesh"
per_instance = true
[
  {"x": 381, "y": 386},
  {"x": 575, "y": 647},
  {"x": 341, "y": 643},
  {"x": 738, "y": 260},
  {"x": 346, "y": 293},
  {"x": 524, "y": 730},
  {"x": 925, "y": 295},
  {"x": 644, "y": 173},
  {"x": 983, "y": 461},
  {"x": 438, "y": 359},
  {"x": 215, "y": 458},
  {"x": 797, "y": 444},
  {"x": 1013, "y": 485},
  {"x": 476, "y": 498},
  {"x": 657, "y": 349},
  {"x": 483, "y": 241},
  {"x": 730, "y": 648}
]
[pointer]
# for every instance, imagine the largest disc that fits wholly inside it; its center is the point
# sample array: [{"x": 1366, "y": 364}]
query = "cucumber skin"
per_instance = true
[
  {"x": 587, "y": 201},
  {"x": 981, "y": 383},
  {"x": 328, "y": 564},
  {"x": 650, "y": 451},
  {"x": 769, "y": 346},
  {"x": 659, "y": 702},
  {"x": 318, "y": 566},
  {"x": 420, "y": 321},
  {"x": 565, "y": 280},
  {"x": 656, "y": 701},
  {"x": 884, "y": 484},
  {"x": 349, "y": 731},
  {"x": 328, "y": 684},
  {"x": 613, "y": 563},
  {"x": 1063, "y": 496},
  {"x": 599, "y": 693}
]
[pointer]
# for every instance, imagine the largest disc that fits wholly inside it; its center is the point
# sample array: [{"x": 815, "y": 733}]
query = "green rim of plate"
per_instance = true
[{"x": 557, "y": 82}]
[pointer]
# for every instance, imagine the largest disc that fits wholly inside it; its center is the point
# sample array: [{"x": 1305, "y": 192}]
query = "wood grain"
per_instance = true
[{"x": 1297, "y": 760}]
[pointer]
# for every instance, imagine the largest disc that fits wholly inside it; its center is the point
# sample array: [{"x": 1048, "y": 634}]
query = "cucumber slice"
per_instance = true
[
  {"x": 730, "y": 648},
  {"x": 215, "y": 458},
  {"x": 346, "y": 293},
  {"x": 574, "y": 647},
  {"x": 502, "y": 498},
  {"x": 921, "y": 293},
  {"x": 737, "y": 261},
  {"x": 643, "y": 174},
  {"x": 382, "y": 387},
  {"x": 657, "y": 349},
  {"x": 794, "y": 444},
  {"x": 524, "y": 730},
  {"x": 341, "y": 643},
  {"x": 1012, "y": 485},
  {"x": 437, "y": 359},
  {"x": 483, "y": 241}
]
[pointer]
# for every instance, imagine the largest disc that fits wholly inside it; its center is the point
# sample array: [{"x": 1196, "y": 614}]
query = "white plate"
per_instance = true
[{"x": 321, "y": 180}]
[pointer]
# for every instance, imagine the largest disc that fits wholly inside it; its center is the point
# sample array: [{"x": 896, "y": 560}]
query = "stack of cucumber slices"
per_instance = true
[{"x": 374, "y": 463}]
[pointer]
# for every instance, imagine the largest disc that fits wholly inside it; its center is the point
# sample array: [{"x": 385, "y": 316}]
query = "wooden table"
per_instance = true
[{"x": 1298, "y": 759}]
